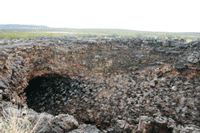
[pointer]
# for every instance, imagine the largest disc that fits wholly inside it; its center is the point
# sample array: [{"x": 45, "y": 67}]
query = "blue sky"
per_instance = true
[{"x": 144, "y": 15}]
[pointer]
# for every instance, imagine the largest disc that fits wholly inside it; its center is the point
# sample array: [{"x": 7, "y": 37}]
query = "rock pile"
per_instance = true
[{"x": 117, "y": 84}]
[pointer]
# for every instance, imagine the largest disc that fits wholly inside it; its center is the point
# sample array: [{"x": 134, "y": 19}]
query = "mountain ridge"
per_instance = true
[{"x": 7, "y": 26}]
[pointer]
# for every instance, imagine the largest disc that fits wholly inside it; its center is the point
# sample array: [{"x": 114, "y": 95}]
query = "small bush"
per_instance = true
[{"x": 15, "y": 122}]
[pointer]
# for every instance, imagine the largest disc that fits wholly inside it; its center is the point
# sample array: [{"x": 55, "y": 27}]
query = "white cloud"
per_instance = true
[{"x": 149, "y": 15}]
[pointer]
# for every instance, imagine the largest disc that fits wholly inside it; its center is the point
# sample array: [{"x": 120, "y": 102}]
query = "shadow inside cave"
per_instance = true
[
  {"x": 57, "y": 94},
  {"x": 52, "y": 93}
]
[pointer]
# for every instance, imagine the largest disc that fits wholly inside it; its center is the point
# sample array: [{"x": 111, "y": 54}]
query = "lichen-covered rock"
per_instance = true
[
  {"x": 194, "y": 57},
  {"x": 85, "y": 128},
  {"x": 65, "y": 122},
  {"x": 145, "y": 124}
]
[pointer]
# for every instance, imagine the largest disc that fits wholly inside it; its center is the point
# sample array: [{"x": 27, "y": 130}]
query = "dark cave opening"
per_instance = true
[
  {"x": 56, "y": 94},
  {"x": 50, "y": 93}
]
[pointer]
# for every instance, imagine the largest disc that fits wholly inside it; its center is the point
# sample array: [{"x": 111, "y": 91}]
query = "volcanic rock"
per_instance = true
[{"x": 118, "y": 84}]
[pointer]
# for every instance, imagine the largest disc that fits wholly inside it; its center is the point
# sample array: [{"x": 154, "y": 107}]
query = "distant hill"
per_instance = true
[{"x": 9, "y": 26}]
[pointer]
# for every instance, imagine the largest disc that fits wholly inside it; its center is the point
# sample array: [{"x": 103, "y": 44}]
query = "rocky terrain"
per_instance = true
[{"x": 107, "y": 84}]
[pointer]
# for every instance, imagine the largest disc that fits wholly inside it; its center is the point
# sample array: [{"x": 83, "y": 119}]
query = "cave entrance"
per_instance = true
[
  {"x": 56, "y": 94},
  {"x": 53, "y": 94}
]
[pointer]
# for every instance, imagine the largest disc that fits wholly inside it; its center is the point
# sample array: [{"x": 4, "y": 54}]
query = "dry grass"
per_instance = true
[{"x": 15, "y": 121}]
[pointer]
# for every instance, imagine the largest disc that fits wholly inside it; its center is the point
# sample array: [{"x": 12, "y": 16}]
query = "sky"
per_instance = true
[{"x": 143, "y": 15}]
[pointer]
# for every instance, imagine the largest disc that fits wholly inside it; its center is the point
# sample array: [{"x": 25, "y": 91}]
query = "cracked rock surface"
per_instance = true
[{"x": 106, "y": 84}]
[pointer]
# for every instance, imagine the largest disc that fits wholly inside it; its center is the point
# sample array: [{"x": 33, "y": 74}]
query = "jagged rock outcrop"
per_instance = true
[{"x": 109, "y": 81}]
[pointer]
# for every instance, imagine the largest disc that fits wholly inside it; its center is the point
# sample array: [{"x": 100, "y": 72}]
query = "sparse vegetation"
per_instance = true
[
  {"x": 14, "y": 121},
  {"x": 23, "y": 33},
  {"x": 17, "y": 34}
]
